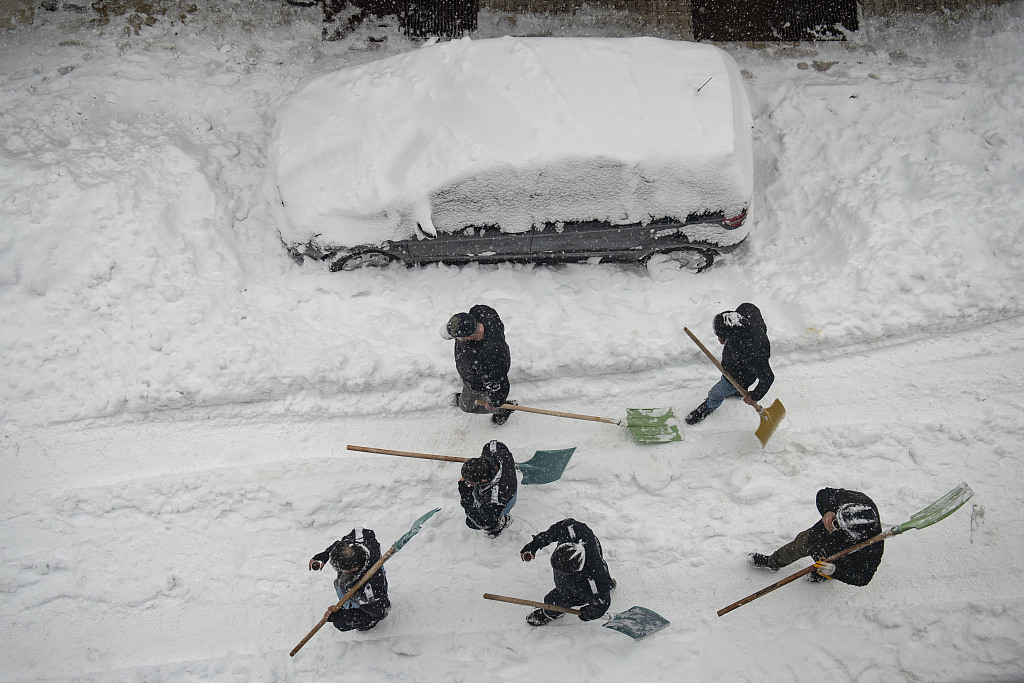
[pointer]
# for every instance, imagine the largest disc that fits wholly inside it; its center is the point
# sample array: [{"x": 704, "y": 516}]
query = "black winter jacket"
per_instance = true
[
  {"x": 483, "y": 503},
  {"x": 592, "y": 586},
  {"x": 484, "y": 364},
  {"x": 372, "y": 598},
  {"x": 747, "y": 350},
  {"x": 856, "y": 568}
]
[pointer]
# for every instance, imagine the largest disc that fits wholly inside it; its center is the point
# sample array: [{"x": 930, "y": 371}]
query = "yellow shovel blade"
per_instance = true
[{"x": 770, "y": 419}]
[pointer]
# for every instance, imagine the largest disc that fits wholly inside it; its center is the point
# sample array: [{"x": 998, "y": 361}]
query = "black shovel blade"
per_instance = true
[{"x": 637, "y": 622}]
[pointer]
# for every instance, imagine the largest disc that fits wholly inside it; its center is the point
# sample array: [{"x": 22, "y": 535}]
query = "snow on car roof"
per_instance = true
[{"x": 511, "y": 132}]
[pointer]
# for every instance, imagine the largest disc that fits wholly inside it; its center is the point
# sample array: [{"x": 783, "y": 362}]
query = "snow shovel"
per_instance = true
[
  {"x": 636, "y": 622},
  {"x": 770, "y": 416},
  {"x": 395, "y": 547},
  {"x": 543, "y": 468},
  {"x": 935, "y": 512},
  {"x": 648, "y": 425}
]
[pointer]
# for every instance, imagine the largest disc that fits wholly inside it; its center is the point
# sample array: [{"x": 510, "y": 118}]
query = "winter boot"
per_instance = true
[
  {"x": 815, "y": 577},
  {"x": 698, "y": 414},
  {"x": 761, "y": 562},
  {"x": 503, "y": 523},
  {"x": 539, "y": 617},
  {"x": 501, "y": 416}
]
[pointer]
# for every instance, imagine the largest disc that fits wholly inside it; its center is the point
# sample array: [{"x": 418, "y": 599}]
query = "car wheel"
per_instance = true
[
  {"x": 362, "y": 259},
  {"x": 685, "y": 258}
]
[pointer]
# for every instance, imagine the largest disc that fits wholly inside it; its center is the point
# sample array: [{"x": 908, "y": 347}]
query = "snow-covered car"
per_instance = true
[{"x": 517, "y": 149}]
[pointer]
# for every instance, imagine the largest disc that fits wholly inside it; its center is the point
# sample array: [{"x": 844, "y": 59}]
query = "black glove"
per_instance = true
[{"x": 591, "y": 612}]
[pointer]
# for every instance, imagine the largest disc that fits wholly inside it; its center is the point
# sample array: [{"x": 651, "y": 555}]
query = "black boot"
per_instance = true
[
  {"x": 501, "y": 416},
  {"x": 761, "y": 562},
  {"x": 539, "y": 617},
  {"x": 698, "y": 414},
  {"x": 503, "y": 523}
]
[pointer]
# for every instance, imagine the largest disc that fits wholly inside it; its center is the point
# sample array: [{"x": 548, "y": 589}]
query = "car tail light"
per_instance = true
[{"x": 736, "y": 221}]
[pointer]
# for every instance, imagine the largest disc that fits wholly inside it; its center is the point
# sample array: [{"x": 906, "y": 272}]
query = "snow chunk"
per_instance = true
[{"x": 511, "y": 132}]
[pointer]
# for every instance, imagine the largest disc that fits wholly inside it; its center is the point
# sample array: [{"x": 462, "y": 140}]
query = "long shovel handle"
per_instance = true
[
  {"x": 531, "y": 603},
  {"x": 743, "y": 392},
  {"x": 366, "y": 577},
  {"x": 807, "y": 570},
  {"x": 406, "y": 454},
  {"x": 556, "y": 413}
]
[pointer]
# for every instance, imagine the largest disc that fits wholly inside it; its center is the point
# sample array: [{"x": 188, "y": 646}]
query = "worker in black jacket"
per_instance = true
[
  {"x": 847, "y": 518},
  {"x": 352, "y": 557},
  {"x": 745, "y": 357},
  {"x": 489, "y": 488},
  {"x": 581, "y": 574},
  {"x": 482, "y": 359}
]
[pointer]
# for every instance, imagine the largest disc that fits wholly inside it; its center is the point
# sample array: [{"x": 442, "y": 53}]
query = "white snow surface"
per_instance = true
[
  {"x": 513, "y": 132},
  {"x": 178, "y": 394}
]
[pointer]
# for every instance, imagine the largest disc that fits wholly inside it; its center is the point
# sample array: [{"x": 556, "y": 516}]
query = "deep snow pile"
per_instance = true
[
  {"x": 177, "y": 393},
  {"x": 513, "y": 132}
]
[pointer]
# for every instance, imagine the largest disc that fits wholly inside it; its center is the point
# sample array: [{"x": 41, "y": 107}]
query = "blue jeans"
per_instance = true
[
  {"x": 721, "y": 391},
  {"x": 511, "y": 504}
]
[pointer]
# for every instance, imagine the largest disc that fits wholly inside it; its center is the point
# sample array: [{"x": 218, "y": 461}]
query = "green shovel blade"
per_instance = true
[
  {"x": 653, "y": 425},
  {"x": 415, "y": 529},
  {"x": 545, "y": 466},
  {"x": 940, "y": 509},
  {"x": 637, "y": 622}
]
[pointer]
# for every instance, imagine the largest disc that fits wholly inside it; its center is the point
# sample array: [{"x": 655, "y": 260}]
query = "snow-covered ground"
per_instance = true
[{"x": 177, "y": 394}]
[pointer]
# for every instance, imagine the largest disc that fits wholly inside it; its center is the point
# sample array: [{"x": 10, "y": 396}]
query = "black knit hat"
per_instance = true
[
  {"x": 725, "y": 322},
  {"x": 461, "y": 325},
  {"x": 856, "y": 519},
  {"x": 347, "y": 557},
  {"x": 476, "y": 471}
]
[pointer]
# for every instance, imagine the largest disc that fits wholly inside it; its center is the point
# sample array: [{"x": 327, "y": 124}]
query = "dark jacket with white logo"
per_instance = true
[
  {"x": 856, "y": 568},
  {"x": 484, "y": 364},
  {"x": 590, "y": 587},
  {"x": 485, "y": 502},
  {"x": 372, "y": 597},
  {"x": 747, "y": 350}
]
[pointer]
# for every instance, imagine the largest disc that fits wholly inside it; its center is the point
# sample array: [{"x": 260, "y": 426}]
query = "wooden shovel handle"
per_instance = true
[
  {"x": 531, "y": 603},
  {"x": 352, "y": 591},
  {"x": 406, "y": 454},
  {"x": 556, "y": 413},
  {"x": 743, "y": 392}
]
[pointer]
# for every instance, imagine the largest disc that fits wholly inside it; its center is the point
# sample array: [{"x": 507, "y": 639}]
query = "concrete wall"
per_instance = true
[
  {"x": 670, "y": 15},
  {"x": 133, "y": 13},
  {"x": 14, "y": 12},
  {"x": 890, "y": 7}
]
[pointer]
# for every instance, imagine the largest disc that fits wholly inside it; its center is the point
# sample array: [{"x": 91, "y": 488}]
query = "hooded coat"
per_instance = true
[
  {"x": 372, "y": 598},
  {"x": 590, "y": 587},
  {"x": 485, "y": 502},
  {"x": 484, "y": 364},
  {"x": 856, "y": 568},
  {"x": 747, "y": 349}
]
